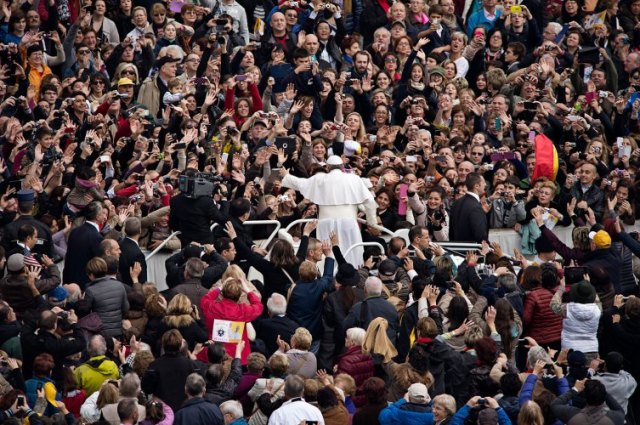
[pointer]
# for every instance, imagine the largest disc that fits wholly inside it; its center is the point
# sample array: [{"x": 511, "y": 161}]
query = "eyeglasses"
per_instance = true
[
  {"x": 128, "y": 72},
  {"x": 83, "y": 52},
  {"x": 98, "y": 82},
  {"x": 523, "y": 145},
  {"x": 390, "y": 60}
]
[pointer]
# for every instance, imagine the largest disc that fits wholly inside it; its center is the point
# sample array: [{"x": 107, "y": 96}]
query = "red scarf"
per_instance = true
[
  {"x": 384, "y": 5},
  {"x": 424, "y": 340}
]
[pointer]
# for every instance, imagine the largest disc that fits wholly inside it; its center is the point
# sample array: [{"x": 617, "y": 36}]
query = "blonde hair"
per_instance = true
[
  {"x": 530, "y": 414},
  {"x": 308, "y": 271},
  {"x": 108, "y": 395},
  {"x": 301, "y": 339},
  {"x": 348, "y": 383},
  {"x": 447, "y": 402},
  {"x": 179, "y": 312},
  {"x": 233, "y": 272}
]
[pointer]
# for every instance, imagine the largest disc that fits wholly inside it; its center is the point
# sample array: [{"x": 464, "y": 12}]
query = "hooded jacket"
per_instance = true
[
  {"x": 580, "y": 326},
  {"x": 92, "y": 374}
]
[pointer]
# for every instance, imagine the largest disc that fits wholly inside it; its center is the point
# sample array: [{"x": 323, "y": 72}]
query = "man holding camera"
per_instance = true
[
  {"x": 194, "y": 216},
  {"x": 506, "y": 208},
  {"x": 57, "y": 334}
]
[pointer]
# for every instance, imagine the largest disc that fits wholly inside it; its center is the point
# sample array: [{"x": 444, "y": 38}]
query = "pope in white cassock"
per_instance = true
[{"x": 337, "y": 195}]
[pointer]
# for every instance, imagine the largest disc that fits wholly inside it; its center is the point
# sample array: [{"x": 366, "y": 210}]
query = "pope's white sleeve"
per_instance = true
[
  {"x": 370, "y": 210},
  {"x": 292, "y": 182}
]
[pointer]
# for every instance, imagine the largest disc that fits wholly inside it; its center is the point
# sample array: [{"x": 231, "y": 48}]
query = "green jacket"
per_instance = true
[{"x": 92, "y": 374}]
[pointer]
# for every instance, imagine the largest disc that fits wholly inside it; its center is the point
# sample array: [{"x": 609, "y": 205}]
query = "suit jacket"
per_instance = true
[
  {"x": 131, "y": 253},
  {"x": 11, "y": 235},
  {"x": 193, "y": 217},
  {"x": 268, "y": 329},
  {"x": 83, "y": 245},
  {"x": 468, "y": 221}
]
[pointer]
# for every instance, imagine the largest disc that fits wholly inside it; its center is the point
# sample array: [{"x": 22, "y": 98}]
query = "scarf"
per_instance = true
[
  {"x": 85, "y": 184},
  {"x": 421, "y": 18},
  {"x": 385, "y": 6},
  {"x": 417, "y": 85}
]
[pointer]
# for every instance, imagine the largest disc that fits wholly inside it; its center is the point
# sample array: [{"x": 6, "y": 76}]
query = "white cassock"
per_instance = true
[{"x": 338, "y": 195}]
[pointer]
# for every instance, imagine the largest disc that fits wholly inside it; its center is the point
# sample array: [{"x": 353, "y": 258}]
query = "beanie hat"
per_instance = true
[{"x": 582, "y": 292}]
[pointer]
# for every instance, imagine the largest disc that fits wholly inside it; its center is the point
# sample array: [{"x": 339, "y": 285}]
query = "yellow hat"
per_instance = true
[
  {"x": 125, "y": 82},
  {"x": 601, "y": 239},
  {"x": 50, "y": 393}
]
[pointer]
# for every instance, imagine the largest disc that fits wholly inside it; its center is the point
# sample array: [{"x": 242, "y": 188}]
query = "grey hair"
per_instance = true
[
  {"x": 97, "y": 346},
  {"x": 508, "y": 281},
  {"x": 194, "y": 268},
  {"x": 356, "y": 335},
  {"x": 556, "y": 27},
  {"x": 277, "y": 304},
  {"x": 232, "y": 407},
  {"x": 130, "y": 385},
  {"x": 373, "y": 286},
  {"x": 194, "y": 385},
  {"x": 381, "y": 30},
  {"x": 293, "y": 386},
  {"x": 537, "y": 353}
]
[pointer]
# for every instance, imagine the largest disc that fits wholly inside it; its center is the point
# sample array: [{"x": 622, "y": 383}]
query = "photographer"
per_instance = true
[
  {"x": 506, "y": 208},
  {"x": 58, "y": 334},
  {"x": 193, "y": 217},
  {"x": 485, "y": 409}
]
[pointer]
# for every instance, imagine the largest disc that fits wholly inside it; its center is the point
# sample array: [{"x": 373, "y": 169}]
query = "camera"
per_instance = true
[
  {"x": 200, "y": 184},
  {"x": 482, "y": 402},
  {"x": 283, "y": 198},
  {"x": 231, "y": 130}
]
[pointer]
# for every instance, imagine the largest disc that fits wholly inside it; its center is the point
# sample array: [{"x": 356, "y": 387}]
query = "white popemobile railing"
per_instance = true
[{"x": 507, "y": 238}]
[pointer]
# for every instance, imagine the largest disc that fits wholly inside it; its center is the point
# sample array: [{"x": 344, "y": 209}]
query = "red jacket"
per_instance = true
[
  {"x": 214, "y": 307},
  {"x": 356, "y": 364},
  {"x": 540, "y": 323}
]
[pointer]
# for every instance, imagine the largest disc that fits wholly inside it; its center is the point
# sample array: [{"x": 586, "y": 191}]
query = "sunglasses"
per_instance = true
[
  {"x": 83, "y": 52},
  {"x": 128, "y": 72},
  {"x": 98, "y": 82}
]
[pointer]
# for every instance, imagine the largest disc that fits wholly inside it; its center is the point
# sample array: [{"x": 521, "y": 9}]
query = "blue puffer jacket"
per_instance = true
[{"x": 403, "y": 413}]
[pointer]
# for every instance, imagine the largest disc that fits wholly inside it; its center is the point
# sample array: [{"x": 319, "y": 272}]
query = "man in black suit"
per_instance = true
[
  {"x": 131, "y": 252},
  {"x": 26, "y": 202},
  {"x": 268, "y": 329},
  {"x": 468, "y": 219},
  {"x": 193, "y": 217},
  {"x": 84, "y": 244}
]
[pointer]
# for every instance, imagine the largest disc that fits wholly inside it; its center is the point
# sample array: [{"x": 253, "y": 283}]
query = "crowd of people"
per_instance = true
[{"x": 129, "y": 127}]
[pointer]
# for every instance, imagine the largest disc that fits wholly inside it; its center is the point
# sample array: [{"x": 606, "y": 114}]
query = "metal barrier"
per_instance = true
[
  {"x": 460, "y": 248},
  {"x": 162, "y": 245},
  {"x": 365, "y": 244},
  {"x": 259, "y": 222},
  {"x": 378, "y": 227},
  {"x": 298, "y": 221}
]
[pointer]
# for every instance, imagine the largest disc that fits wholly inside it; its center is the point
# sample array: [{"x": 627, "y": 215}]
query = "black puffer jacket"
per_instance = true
[{"x": 108, "y": 298}]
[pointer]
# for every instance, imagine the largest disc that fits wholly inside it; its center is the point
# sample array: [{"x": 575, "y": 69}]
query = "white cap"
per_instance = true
[
  {"x": 351, "y": 147},
  {"x": 418, "y": 393},
  {"x": 334, "y": 160}
]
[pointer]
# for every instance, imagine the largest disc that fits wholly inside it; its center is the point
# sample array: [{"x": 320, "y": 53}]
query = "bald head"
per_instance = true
[
  {"x": 311, "y": 43},
  {"x": 464, "y": 168}
]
